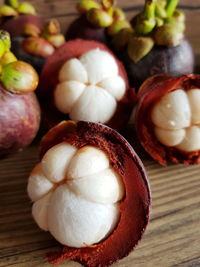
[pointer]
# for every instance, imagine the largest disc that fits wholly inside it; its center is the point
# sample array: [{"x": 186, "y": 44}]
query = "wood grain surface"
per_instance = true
[{"x": 173, "y": 235}]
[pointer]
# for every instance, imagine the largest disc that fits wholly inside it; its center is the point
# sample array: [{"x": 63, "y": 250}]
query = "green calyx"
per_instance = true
[
  {"x": 7, "y": 11},
  {"x": 12, "y": 3},
  {"x": 15, "y": 76},
  {"x": 138, "y": 47},
  {"x": 52, "y": 33},
  {"x": 26, "y": 8},
  {"x": 146, "y": 22},
  {"x": 85, "y": 5},
  {"x": 19, "y": 77},
  {"x": 160, "y": 11},
  {"x": 168, "y": 34},
  {"x": 31, "y": 30},
  {"x": 99, "y": 18},
  {"x": 159, "y": 23},
  {"x": 121, "y": 39},
  {"x": 171, "y": 7},
  {"x": 5, "y": 42},
  {"x": 107, "y": 4},
  {"x": 101, "y": 15},
  {"x": 117, "y": 26},
  {"x": 7, "y": 58},
  {"x": 12, "y": 8}
]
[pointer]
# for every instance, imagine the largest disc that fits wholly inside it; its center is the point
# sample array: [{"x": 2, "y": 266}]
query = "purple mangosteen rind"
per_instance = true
[
  {"x": 156, "y": 44},
  {"x": 16, "y": 48},
  {"x": 15, "y": 26},
  {"x": 19, "y": 121},
  {"x": 160, "y": 60},
  {"x": 81, "y": 28}
]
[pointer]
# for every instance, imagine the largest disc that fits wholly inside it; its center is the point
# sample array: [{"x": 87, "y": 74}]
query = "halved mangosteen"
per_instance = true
[
  {"x": 167, "y": 118},
  {"x": 83, "y": 80},
  {"x": 91, "y": 192}
]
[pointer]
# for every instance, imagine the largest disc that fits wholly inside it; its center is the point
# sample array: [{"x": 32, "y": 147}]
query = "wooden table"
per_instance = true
[{"x": 172, "y": 237}]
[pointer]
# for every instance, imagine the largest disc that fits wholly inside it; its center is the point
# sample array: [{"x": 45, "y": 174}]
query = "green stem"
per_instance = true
[
  {"x": 171, "y": 7},
  {"x": 5, "y": 40},
  {"x": 149, "y": 9}
]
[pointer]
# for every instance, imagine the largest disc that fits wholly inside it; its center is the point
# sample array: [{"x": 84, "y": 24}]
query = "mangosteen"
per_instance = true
[
  {"x": 156, "y": 43},
  {"x": 20, "y": 111},
  {"x": 167, "y": 118},
  {"x": 97, "y": 21},
  {"x": 35, "y": 44},
  {"x": 83, "y": 80},
  {"x": 15, "y": 15},
  {"x": 91, "y": 192}
]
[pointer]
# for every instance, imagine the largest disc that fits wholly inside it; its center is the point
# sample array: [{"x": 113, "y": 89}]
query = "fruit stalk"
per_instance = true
[{"x": 171, "y": 6}]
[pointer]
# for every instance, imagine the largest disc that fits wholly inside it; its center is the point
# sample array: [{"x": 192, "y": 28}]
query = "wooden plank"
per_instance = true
[{"x": 172, "y": 236}]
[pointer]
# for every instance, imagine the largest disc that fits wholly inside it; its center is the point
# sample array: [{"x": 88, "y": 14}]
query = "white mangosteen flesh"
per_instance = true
[
  {"x": 90, "y": 87},
  {"x": 76, "y": 194},
  {"x": 176, "y": 119}
]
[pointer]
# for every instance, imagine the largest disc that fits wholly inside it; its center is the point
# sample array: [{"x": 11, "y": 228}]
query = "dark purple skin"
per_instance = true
[
  {"x": 15, "y": 25},
  {"x": 19, "y": 121},
  {"x": 177, "y": 60},
  {"x": 82, "y": 29},
  {"x": 16, "y": 48}
]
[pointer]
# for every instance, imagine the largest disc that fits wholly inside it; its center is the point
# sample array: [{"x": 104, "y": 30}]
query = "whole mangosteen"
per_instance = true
[
  {"x": 97, "y": 21},
  {"x": 20, "y": 111},
  {"x": 36, "y": 44},
  {"x": 15, "y": 15},
  {"x": 156, "y": 43}
]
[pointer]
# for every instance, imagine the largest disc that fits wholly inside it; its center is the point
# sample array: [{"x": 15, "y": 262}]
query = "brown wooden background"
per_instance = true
[{"x": 173, "y": 235}]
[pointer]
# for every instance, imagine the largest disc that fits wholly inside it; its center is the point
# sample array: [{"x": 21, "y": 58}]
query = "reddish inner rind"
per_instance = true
[
  {"x": 15, "y": 26},
  {"x": 151, "y": 92},
  {"x": 134, "y": 208},
  {"x": 49, "y": 81}
]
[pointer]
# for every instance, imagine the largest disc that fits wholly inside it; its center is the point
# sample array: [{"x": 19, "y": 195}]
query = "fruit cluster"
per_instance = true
[{"x": 90, "y": 189}]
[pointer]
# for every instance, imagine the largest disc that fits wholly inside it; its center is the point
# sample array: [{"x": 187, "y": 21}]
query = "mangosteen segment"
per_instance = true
[
  {"x": 90, "y": 87},
  {"x": 176, "y": 119}
]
